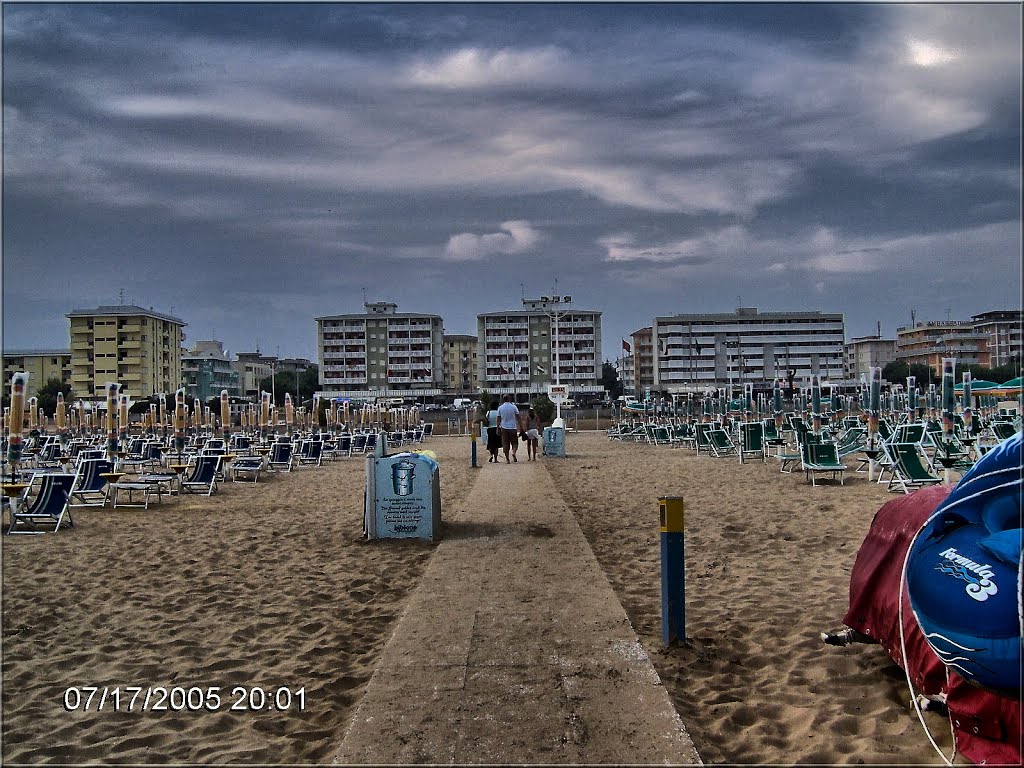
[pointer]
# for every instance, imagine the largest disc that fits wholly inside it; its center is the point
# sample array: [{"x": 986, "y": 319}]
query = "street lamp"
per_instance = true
[{"x": 555, "y": 314}]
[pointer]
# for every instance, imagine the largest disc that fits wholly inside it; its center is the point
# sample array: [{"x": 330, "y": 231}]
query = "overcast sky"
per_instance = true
[{"x": 250, "y": 167}]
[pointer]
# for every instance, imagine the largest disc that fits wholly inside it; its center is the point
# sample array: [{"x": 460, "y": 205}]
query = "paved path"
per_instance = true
[{"x": 514, "y": 649}]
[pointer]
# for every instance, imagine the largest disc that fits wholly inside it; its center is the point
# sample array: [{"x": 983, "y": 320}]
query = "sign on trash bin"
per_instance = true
[
  {"x": 554, "y": 441},
  {"x": 403, "y": 497}
]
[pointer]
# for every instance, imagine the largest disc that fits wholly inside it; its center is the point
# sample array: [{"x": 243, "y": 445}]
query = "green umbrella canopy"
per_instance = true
[
  {"x": 1011, "y": 383},
  {"x": 977, "y": 387}
]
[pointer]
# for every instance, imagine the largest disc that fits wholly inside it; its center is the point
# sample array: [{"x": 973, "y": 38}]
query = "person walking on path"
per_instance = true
[
  {"x": 531, "y": 424},
  {"x": 508, "y": 423},
  {"x": 493, "y": 437}
]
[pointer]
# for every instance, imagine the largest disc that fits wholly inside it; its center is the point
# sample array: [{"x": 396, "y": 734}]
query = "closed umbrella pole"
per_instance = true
[
  {"x": 179, "y": 422},
  {"x": 874, "y": 405},
  {"x": 816, "y": 403},
  {"x": 968, "y": 410},
  {"x": 225, "y": 415},
  {"x": 111, "y": 392},
  {"x": 948, "y": 395}
]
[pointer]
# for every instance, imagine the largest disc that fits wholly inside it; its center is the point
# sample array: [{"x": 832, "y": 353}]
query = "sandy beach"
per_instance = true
[{"x": 271, "y": 585}]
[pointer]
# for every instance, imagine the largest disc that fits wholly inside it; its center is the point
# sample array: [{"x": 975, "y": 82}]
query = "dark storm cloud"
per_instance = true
[{"x": 267, "y": 163}]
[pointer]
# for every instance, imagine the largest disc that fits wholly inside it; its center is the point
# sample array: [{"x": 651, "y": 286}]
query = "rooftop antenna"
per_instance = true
[
  {"x": 913, "y": 318},
  {"x": 879, "y": 329},
  {"x": 947, "y": 314},
  {"x": 122, "y": 297}
]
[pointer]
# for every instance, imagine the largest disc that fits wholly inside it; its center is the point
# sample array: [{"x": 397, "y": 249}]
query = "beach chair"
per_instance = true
[
  {"x": 89, "y": 488},
  {"x": 751, "y": 439},
  {"x": 852, "y": 440},
  {"x": 1002, "y": 430},
  {"x": 240, "y": 445},
  {"x": 343, "y": 445},
  {"x": 281, "y": 457},
  {"x": 428, "y": 429},
  {"x": 684, "y": 436},
  {"x": 358, "y": 444},
  {"x": 720, "y": 443},
  {"x": 371, "y": 442},
  {"x": 659, "y": 435},
  {"x": 818, "y": 457},
  {"x": 203, "y": 477},
  {"x": 311, "y": 452},
  {"x": 909, "y": 468},
  {"x": 249, "y": 466},
  {"x": 49, "y": 455},
  {"x": 702, "y": 431},
  {"x": 48, "y": 510}
]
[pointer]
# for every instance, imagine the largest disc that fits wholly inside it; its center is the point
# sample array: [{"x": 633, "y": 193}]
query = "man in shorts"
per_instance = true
[{"x": 508, "y": 424}]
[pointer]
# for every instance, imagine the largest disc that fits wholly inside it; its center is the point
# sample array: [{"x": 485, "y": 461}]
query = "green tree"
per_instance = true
[
  {"x": 544, "y": 408},
  {"x": 897, "y": 372},
  {"x": 610, "y": 380},
  {"x": 301, "y": 386},
  {"x": 47, "y": 395}
]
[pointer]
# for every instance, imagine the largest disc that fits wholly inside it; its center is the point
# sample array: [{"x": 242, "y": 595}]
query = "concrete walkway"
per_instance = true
[{"x": 513, "y": 648}]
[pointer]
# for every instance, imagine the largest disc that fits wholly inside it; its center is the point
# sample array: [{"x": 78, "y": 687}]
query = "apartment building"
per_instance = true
[
  {"x": 381, "y": 353},
  {"x": 252, "y": 368},
  {"x": 207, "y": 370},
  {"x": 41, "y": 365},
  {"x": 136, "y": 347},
  {"x": 548, "y": 341},
  {"x": 1003, "y": 331},
  {"x": 642, "y": 347},
  {"x": 695, "y": 352},
  {"x": 928, "y": 342},
  {"x": 460, "y": 363},
  {"x": 863, "y": 353}
]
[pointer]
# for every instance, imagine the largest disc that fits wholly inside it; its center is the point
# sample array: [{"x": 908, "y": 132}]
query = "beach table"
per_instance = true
[
  {"x": 112, "y": 478},
  {"x": 15, "y": 493}
]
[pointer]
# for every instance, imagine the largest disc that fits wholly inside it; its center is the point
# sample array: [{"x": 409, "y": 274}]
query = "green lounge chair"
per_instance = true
[
  {"x": 817, "y": 457},
  {"x": 909, "y": 469},
  {"x": 751, "y": 439}
]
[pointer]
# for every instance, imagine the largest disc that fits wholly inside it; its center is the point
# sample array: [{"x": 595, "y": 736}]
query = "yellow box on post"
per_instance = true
[{"x": 671, "y": 514}]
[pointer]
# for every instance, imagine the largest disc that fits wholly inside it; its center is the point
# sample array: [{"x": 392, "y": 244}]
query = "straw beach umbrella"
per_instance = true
[
  {"x": 122, "y": 414},
  {"x": 17, "y": 419},
  {"x": 60, "y": 418},
  {"x": 179, "y": 422},
  {"x": 225, "y": 415}
]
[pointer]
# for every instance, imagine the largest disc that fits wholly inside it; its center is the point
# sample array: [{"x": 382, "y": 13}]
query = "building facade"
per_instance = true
[
  {"x": 642, "y": 346},
  {"x": 863, "y": 353},
  {"x": 546, "y": 342},
  {"x": 1003, "y": 331},
  {"x": 41, "y": 365},
  {"x": 696, "y": 352},
  {"x": 252, "y": 368},
  {"x": 460, "y": 363},
  {"x": 928, "y": 342},
  {"x": 207, "y": 370},
  {"x": 136, "y": 347},
  {"x": 380, "y": 353}
]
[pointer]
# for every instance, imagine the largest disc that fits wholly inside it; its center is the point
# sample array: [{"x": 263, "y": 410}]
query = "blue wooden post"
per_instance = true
[
  {"x": 472, "y": 433},
  {"x": 673, "y": 571}
]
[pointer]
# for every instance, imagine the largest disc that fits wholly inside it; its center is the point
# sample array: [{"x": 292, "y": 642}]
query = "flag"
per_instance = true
[
  {"x": 541, "y": 369},
  {"x": 626, "y": 347},
  {"x": 504, "y": 370}
]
